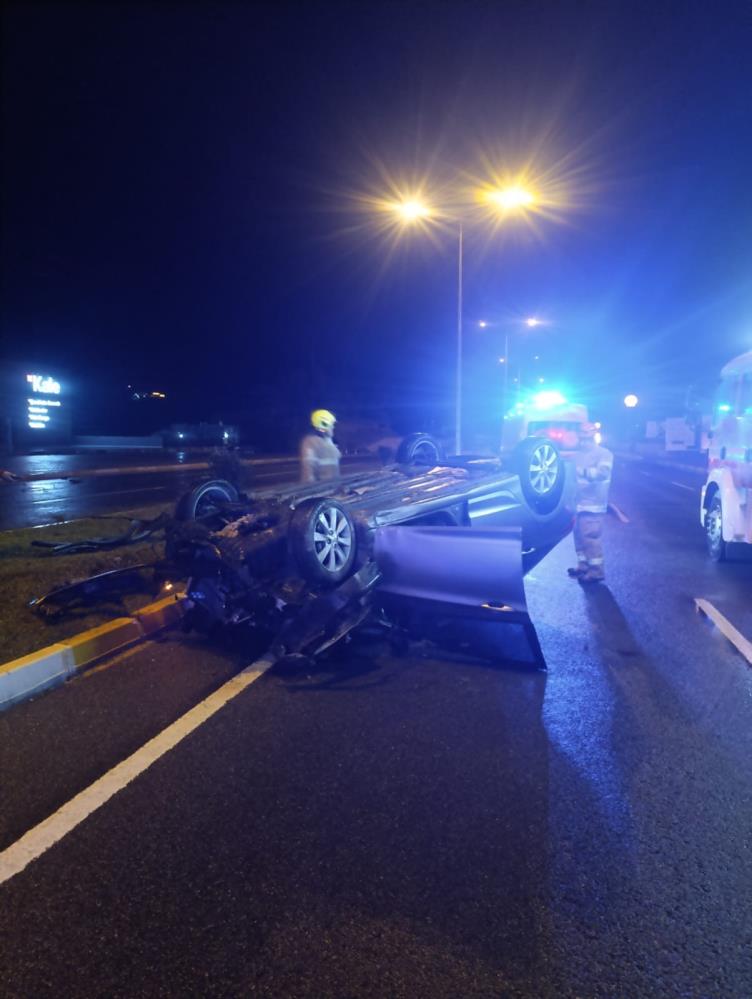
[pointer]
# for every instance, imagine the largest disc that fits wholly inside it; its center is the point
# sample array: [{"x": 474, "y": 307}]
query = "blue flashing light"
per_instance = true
[
  {"x": 724, "y": 408},
  {"x": 548, "y": 399}
]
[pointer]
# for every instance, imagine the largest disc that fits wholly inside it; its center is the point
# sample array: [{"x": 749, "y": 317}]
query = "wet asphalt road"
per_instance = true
[
  {"x": 31, "y": 504},
  {"x": 414, "y": 826}
]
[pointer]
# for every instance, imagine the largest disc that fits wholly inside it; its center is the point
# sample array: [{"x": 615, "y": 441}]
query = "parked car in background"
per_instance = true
[{"x": 367, "y": 438}]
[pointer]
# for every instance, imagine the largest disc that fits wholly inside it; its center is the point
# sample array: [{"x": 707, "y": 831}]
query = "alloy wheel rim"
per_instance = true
[
  {"x": 332, "y": 539},
  {"x": 714, "y": 528},
  {"x": 543, "y": 469}
]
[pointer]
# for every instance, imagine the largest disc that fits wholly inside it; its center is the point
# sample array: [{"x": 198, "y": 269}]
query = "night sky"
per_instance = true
[{"x": 184, "y": 198}]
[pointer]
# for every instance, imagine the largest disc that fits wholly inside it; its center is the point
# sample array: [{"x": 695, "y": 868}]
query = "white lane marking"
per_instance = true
[
  {"x": 622, "y": 516},
  {"x": 736, "y": 638},
  {"x": 38, "y": 840},
  {"x": 656, "y": 478}
]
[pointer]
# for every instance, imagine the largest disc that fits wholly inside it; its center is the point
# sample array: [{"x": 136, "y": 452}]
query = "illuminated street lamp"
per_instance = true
[
  {"x": 532, "y": 322},
  {"x": 412, "y": 209},
  {"x": 630, "y": 401},
  {"x": 509, "y": 199},
  {"x": 503, "y": 201}
]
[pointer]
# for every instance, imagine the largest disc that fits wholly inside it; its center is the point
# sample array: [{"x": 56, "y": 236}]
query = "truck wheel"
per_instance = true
[
  {"x": 420, "y": 449},
  {"x": 322, "y": 540},
  {"x": 541, "y": 472},
  {"x": 717, "y": 547},
  {"x": 205, "y": 500}
]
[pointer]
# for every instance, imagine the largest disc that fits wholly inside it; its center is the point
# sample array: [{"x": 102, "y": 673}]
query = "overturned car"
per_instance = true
[{"x": 413, "y": 546}]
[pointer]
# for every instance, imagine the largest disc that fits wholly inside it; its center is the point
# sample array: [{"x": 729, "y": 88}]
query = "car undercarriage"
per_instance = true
[
  {"x": 410, "y": 546},
  {"x": 420, "y": 549}
]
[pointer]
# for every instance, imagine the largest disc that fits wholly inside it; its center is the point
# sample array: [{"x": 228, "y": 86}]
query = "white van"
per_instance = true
[
  {"x": 726, "y": 502},
  {"x": 547, "y": 414}
]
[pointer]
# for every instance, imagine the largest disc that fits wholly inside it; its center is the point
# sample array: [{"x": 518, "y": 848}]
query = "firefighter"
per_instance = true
[
  {"x": 319, "y": 455},
  {"x": 593, "y": 464}
]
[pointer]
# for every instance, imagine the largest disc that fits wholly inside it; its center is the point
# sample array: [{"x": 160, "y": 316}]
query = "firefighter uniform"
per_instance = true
[
  {"x": 594, "y": 465},
  {"x": 319, "y": 455}
]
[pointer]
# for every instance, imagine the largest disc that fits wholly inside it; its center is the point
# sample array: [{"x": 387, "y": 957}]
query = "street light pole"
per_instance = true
[
  {"x": 413, "y": 210},
  {"x": 458, "y": 387},
  {"x": 506, "y": 372}
]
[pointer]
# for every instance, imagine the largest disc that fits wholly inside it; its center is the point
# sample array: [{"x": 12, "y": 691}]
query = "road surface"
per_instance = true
[
  {"x": 69, "y": 496},
  {"x": 417, "y": 826}
]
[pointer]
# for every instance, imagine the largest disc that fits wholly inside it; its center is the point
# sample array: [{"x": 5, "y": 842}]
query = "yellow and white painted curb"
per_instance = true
[{"x": 23, "y": 678}]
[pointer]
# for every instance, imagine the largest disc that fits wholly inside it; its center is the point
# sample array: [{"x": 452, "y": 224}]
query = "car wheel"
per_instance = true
[
  {"x": 420, "y": 449},
  {"x": 541, "y": 472},
  {"x": 205, "y": 500},
  {"x": 717, "y": 547},
  {"x": 322, "y": 540}
]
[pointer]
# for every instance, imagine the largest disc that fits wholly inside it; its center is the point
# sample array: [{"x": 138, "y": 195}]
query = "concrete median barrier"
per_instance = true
[
  {"x": 102, "y": 640},
  {"x": 28, "y": 676},
  {"x": 163, "y": 614}
]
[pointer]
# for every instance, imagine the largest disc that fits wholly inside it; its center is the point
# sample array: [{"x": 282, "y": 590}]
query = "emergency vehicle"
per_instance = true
[
  {"x": 546, "y": 414},
  {"x": 726, "y": 500}
]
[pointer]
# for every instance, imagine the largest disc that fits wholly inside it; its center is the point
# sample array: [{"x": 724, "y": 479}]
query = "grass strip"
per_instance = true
[{"x": 27, "y": 572}]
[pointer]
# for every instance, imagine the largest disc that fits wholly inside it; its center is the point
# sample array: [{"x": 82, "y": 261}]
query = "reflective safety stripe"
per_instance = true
[{"x": 595, "y": 561}]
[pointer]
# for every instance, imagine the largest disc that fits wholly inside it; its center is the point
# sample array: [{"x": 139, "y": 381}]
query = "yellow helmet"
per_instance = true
[{"x": 322, "y": 419}]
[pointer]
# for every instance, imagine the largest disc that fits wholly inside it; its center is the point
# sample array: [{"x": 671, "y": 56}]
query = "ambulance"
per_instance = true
[
  {"x": 726, "y": 501},
  {"x": 546, "y": 414}
]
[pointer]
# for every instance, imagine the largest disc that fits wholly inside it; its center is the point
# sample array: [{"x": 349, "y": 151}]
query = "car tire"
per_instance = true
[
  {"x": 205, "y": 499},
  {"x": 323, "y": 541},
  {"x": 541, "y": 472},
  {"x": 420, "y": 449},
  {"x": 717, "y": 547}
]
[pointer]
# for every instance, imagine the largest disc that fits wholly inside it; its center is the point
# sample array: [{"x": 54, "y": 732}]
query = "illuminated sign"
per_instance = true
[
  {"x": 43, "y": 383},
  {"x": 38, "y": 406}
]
